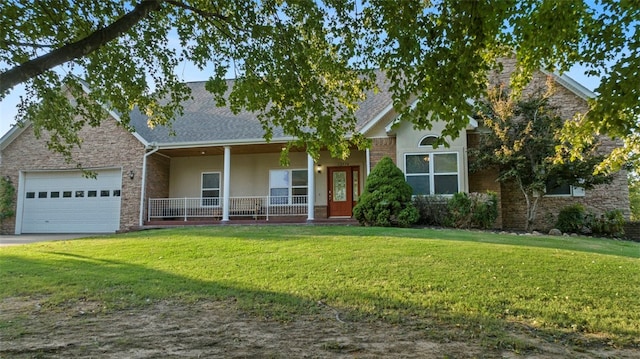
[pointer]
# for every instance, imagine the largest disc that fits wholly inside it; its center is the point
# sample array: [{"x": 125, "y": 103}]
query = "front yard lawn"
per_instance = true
[{"x": 479, "y": 285}]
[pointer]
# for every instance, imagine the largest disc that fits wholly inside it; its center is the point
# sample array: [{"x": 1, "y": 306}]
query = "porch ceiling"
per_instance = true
[{"x": 219, "y": 150}]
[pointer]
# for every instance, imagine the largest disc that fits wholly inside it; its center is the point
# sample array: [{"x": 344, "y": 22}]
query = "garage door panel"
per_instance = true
[{"x": 66, "y": 202}]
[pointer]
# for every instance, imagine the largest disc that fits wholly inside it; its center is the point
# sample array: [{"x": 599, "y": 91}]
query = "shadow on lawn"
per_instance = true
[{"x": 65, "y": 279}]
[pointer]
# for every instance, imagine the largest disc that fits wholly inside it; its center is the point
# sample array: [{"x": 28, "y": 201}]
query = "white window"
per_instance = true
[
  {"x": 210, "y": 189},
  {"x": 288, "y": 186},
  {"x": 554, "y": 188},
  {"x": 433, "y": 173}
]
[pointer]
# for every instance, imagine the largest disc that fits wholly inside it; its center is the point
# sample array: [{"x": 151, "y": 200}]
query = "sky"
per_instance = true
[{"x": 8, "y": 106}]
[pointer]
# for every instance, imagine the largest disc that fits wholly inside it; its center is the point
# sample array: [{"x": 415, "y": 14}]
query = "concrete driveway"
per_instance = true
[{"x": 15, "y": 240}]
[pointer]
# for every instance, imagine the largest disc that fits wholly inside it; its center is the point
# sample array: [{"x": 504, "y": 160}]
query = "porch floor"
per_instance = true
[{"x": 247, "y": 221}]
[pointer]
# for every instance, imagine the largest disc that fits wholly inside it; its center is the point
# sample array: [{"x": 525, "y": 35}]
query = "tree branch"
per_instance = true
[
  {"x": 198, "y": 11},
  {"x": 207, "y": 15},
  {"x": 83, "y": 47}
]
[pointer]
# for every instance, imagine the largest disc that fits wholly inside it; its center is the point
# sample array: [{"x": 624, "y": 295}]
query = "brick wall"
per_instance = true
[
  {"x": 513, "y": 206},
  {"x": 381, "y": 147},
  {"x": 106, "y": 146}
]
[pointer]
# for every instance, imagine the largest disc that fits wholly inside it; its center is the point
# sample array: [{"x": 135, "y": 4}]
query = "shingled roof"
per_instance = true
[{"x": 203, "y": 121}]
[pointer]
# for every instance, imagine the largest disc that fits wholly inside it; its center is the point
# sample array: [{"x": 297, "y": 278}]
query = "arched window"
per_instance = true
[{"x": 428, "y": 141}]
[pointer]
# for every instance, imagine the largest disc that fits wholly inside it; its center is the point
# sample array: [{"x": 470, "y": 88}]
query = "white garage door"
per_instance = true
[{"x": 66, "y": 202}]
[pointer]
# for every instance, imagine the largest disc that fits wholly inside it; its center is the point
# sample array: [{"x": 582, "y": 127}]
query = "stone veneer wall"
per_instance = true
[
  {"x": 320, "y": 212},
  {"x": 106, "y": 146},
  {"x": 602, "y": 198},
  {"x": 158, "y": 170},
  {"x": 598, "y": 200},
  {"x": 632, "y": 231},
  {"x": 381, "y": 147}
]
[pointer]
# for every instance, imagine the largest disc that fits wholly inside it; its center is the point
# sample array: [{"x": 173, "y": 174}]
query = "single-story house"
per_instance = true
[{"x": 218, "y": 167}]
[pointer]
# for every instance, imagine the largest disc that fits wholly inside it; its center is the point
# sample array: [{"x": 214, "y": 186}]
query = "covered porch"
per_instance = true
[{"x": 247, "y": 183}]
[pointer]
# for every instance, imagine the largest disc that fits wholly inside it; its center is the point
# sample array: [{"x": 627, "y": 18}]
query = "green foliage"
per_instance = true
[
  {"x": 475, "y": 210},
  {"x": 484, "y": 209},
  {"x": 609, "y": 224},
  {"x": 459, "y": 211},
  {"x": 634, "y": 196},
  {"x": 7, "y": 199},
  {"x": 521, "y": 143},
  {"x": 433, "y": 210},
  {"x": 299, "y": 63},
  {"x": 575, "y": 219},
  {"x": 386, "y": 199},
  {"x": 293, "y": 64},
  {"x": 571, "y": 218}
]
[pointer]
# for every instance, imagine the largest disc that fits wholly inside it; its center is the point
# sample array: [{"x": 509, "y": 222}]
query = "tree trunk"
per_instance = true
[{"x": 532, "y": 206}]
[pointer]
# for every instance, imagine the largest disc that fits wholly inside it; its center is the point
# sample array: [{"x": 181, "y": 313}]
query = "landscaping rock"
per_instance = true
[{"x": 555, "y": 232}]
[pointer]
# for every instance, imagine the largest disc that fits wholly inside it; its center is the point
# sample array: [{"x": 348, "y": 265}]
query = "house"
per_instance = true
[{"x": 218, "y": 167}]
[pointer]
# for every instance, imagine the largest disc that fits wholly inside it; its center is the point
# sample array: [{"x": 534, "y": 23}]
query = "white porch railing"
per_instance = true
[{"x": 255, "y": 206}]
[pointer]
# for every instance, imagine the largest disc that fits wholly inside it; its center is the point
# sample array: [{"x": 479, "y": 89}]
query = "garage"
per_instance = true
[{"x": 67, "y": 202}]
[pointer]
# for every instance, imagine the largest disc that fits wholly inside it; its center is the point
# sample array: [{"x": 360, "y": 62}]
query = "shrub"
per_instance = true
[
  {"x": 432, "y": 210},
  {"x": 571, "y": 219},
  {"x": 610, "y": 224},
  {"x": 484, "y": 209},
  {"x": 459, "y": 211},
  {"x": 475, "y": 210},
  {"x": 386, "y": 199},
  {"x": 7, "y": 199}
]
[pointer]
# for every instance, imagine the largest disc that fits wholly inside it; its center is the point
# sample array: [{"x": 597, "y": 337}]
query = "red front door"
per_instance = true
[{"x": 344, "y": 190}]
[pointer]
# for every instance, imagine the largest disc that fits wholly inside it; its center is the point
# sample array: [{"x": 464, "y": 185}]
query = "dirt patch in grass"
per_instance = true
[{"x": 220, "y": 330}]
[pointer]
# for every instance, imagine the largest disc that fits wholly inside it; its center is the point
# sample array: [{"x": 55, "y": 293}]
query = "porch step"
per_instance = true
[{"x": 248, "y": 221}]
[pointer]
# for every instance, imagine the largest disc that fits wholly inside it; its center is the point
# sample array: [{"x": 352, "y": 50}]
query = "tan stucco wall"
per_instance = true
[
  {"x": 106, "y": 146},
  {"x": 408, "y": 140},
  {"x": 250, "y": 172},
  {"x": 378, "y": 130}
]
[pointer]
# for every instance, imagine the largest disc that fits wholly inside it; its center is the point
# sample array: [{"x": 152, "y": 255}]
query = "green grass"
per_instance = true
[{"x": 481, "y": 282}]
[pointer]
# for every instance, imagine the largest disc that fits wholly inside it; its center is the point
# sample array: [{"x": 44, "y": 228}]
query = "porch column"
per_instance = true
[
  {"x": 226, "y": 183},
  {"x": 311, "y": 188},
  {"x": 368, "y": 158}
]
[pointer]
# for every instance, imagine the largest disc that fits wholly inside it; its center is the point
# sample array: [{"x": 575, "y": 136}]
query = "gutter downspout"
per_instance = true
[{"x": 144, "y": 184}]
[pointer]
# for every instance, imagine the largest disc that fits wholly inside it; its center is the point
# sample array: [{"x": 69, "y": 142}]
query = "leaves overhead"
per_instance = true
[{"x": 304, "y": 65}]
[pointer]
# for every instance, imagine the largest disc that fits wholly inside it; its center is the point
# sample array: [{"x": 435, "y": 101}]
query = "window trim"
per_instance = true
[
  {"x": 219, "y": 189},
  {"x": 432, "y": 173}
]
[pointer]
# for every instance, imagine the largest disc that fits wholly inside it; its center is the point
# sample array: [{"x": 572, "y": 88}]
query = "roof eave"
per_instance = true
[
  {"x": 369, "y": 125},
  {"x": 572, "y": 85},
  {"x": 239, "y": 142},
  {"x": 12, "y": 134}
]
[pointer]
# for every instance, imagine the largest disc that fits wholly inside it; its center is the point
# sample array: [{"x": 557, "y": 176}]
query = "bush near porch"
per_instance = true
[{"x": 462, "y": 210}]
